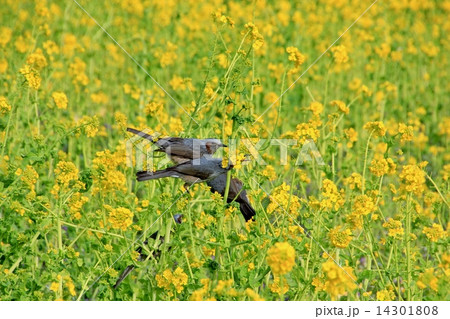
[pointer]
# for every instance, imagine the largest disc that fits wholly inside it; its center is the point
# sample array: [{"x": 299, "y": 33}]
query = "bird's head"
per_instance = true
[{"x": 213, "y": 144}]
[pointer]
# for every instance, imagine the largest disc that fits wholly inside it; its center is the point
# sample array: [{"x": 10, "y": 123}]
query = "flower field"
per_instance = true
[{"x": 366, "y": 83}]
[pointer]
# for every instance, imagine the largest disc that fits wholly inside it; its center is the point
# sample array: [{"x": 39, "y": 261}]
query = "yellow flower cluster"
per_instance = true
[
  {"x": 5, "y": 108},
  {"x": 428, "y": 279},
  {"x": 224, "y": 288},
  {"x": 386, "y": 294},
  {"x": 31, "y": 76},
  {"x": 60, "y": 100},
  {"x": 295, "y": 56},
  {"x": 305, "y": 131},
  {"x": 413, "y": 179},
  {"x": 253, "y": 295},
  {"x": 376, "y": 128},
  {"x": 172, "y": 280},
  {"x": 29, "y": 177},
  {"x": 281, "y": 258},
  {"x": 351, "y": 135},
  {"x": 37, "y": 59},
  {"x": 66, "y": 172},
  {"x": 76, "y": 202},
  {"x": 406, "y": 132},
  {"x": 435, "y": 232},
  {"x": 89, "y": 125},
  {"x": 56, "y": 286},
  {"x": 394, "y": 227},
  {"x": 283, "y": 201},
  {"x": 219, "y": 17},
  {"x": 340, "y": 238},
  {"x": 340, "y": 54},
  {"x": 199, "y": 294},
  {"x": 332, "y": 198},
  {"x": 354, "y": 181},
  {"x": 120, "y": 218},
  {"x": 340, "y": 106},
  {"x": 77, "y": 70},
  {"x": 381, "y": 166},
  {"x": 337, "y": 281},
  {"x": 316, "y": 108},
  {"x": 258, "y": 39},
  {"x": 279, "y": 286},
  {"x": 5, "y": 36}
]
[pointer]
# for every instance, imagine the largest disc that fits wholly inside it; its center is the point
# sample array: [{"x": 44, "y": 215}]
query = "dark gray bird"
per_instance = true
[
  {"x": 236, "y": 193},
  {"x": 180, "y": 149},
  {"x": 193, "y": 171}
]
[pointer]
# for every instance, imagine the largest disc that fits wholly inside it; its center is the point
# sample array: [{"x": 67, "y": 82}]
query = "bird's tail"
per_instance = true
[
  {"x": 247, "y": 210},
  {"x": 141, "y": 134},
  {"x": 124, "y": 275},
  {"x": 145, "y": 175}
]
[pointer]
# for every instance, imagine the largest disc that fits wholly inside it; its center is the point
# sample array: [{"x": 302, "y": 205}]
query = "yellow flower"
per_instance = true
[
  {"x": 223, "y": 286},
  {"x": 253, "y": 295},
  {"x": 306, "y": 131},
  {"x": 332, "y": 198},
  {"x": 30, "y": 177},
  {"x": 121, "y": 218},
  {"x": 395, "y": 228},
  {"x": 428, "y": 279},
  {"x": 386, "y": 295},
  {"x": 376, "y": 127},
  {"x": 381, "y": 166},
  {"x": 31, "y": 76},
  {"x": 60, "y": 100},
  {"x": 89, "y": 125},
  {"x": 295, "y": 56},
  {"x": 435, "y": 232},
  {"x": 37, "y": 59},
  {"x": 340, "y": 239},
  {"x": 281, "y": 258},
  {"x": 5, "y": 108},
  {"x": 121, "y": 120},
  {"x": 316, "y": 108},
  {"x": 354, "y": 181},
  {"x": 3, "y": 66},
  {"x": 340, "y": 54},
  {"x": 413, "y": 179},
  {"x": 276, "y": 287},
  {"x": 269, "y": 172},
  {"x": 258, "y": 39},
  {"x": 5, "y": 36},
  {"x": 338, "y": 281},
  {"x": 352, "y": 135},
  {"x": 54, "y": 286},
  {"x": 154, "y": 108},
  {"x": 406, "y": 132},
  {"x": 172, "y": 280},
  {"x": 281, "y": 199},
  {"x": 341, "y": 106},
  {"x": 65, "y": 173}
]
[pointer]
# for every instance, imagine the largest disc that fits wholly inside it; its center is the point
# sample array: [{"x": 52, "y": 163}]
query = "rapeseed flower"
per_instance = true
[
  {"x": 340, "y": 238},
  {"x": 435, "y": 232},
  {"x": 338, "y": 281},
  {"x": 281, "y": 258},
  {"x": 120, "y": 218}
]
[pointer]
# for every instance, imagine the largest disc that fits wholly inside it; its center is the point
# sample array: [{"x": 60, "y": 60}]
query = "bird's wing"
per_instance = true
[
  {"x": 197, "y": 171},
  {"x": 141, "y": 134}
]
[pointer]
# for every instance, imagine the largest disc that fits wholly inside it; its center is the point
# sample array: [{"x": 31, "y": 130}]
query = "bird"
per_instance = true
[
  {"x": 235, "y": 193},
  {"x": 182, "y": 150},
  {"x": 193, "y": 171}
]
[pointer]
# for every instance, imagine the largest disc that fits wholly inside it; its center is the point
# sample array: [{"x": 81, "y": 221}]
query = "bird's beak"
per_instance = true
[{"x": 224, "y": 145}]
